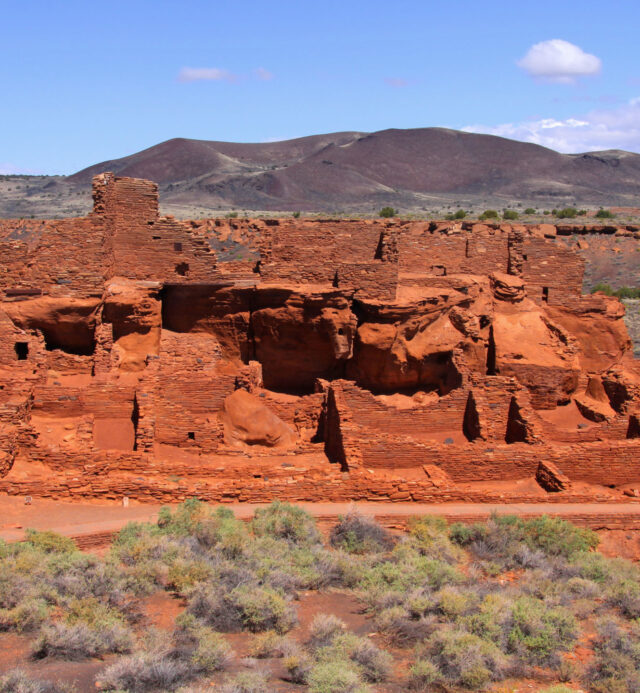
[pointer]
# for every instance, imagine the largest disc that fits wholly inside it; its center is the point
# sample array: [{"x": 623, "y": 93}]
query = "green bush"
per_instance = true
[
  {"x": 49, "y": 542},
  {"x": 603, "y": 288},
  {"x": 604, "y": 214},
  {"x": 431, "y": 536},
  {"x": 538, "y": 632},
  {"x": 489, "y": 214},
  {"x": 355, "y": 533},
  {"x": 285, "y": 521},
  {"x": 566, "y": 213},
  {"x": 247, "y": 682},
  {"x": 212, "y": 652},
  {"x": 509, "y": 215},
  {"x": 529, "y": 210},
  {"x": 336, "y": 677},
  {"x": 460, "y": 214},
  {"x": 296, "y": 215},
  {"x": 464, "y": 659},
  {"x": 422, "y": 675},
  {"x": 387, "y": 212}
]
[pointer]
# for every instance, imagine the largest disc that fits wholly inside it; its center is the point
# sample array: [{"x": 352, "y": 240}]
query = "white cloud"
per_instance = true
[
  {"x": 559, "y": 61},
  {"x": 263, "y": 74},
  {"x": 211, "y": 74},
  {"x": 616, "y": 128}
]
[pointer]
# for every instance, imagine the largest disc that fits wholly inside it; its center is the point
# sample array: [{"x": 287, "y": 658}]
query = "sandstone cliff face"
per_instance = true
[{"x": 328, "y": 361}]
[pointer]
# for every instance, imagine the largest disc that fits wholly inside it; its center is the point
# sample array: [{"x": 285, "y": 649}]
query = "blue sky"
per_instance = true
[{"x": 82, "y": 82}]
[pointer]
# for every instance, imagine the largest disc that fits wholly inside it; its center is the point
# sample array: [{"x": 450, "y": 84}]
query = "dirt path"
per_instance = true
[{"x": 101, "y": 520}]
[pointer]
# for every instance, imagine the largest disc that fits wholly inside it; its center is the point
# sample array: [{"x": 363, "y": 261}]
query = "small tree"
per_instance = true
[
  {"x": 387, "y": 212},
  {"x": 509, "y": 214},
  {"x": 489, "y": 214},
  {"x": 604, "y": 214},
  {"x": 529, "y": 210}
]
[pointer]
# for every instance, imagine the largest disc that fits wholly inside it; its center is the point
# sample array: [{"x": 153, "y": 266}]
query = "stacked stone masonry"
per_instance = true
[{"x": 318, "y": 360}]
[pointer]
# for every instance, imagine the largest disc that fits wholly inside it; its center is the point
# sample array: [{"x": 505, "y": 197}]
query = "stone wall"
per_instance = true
[{"x": 383, "y": 360}]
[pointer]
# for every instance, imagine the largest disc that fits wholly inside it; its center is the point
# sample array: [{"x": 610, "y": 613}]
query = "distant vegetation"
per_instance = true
[
  {"x": 460, "y": 214},
  {"x": 387, "y": 212},
  {"x": 569, "y": 213},
  {"x": 604, "y": 214},
  {"x": 510, "y": 215},
  {"x": 467, "y": 605},
  {"x": 529, "y": 210},
  {"x": 489, "y": 214},
  {"x": 623, "y": 292}
]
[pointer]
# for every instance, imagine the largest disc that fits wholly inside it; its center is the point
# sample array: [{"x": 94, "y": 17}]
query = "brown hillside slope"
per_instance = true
[{"x": 349, "y": 169}]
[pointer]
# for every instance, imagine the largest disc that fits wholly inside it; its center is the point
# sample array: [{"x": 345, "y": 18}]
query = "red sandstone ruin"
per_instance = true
[{"x": 233, "y": 359}]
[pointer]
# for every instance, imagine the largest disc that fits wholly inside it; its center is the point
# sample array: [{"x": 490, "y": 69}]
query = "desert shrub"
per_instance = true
[
  {"x": 296, "y": 215},
  {"x": 503, "y": 541},
  {"x": 489, "y": 214},
  {"x": 49, "y": 542},
  {"x": 566, "y": 213},
  {"x": 602, "y": 288},
  {"x": 26, "y": 616},
  {"x": 604, "y": 214},
  {"x": 356, "y": 533},
  {"x": 459, "y": 214},
  {"x": 492, "y": 619},
  {"x": 184, "y": 520},
  {"x": 324, "y": 629},
  {"x": 422, "y": 675},
  {"x": 249, "y": 607},
  {"x": 616, "y": 663},
  {"x": 387, "y": 212},
  {"x": 537, "y": 633},
  {"x": 407, "y": 568},
  {"x": 298, "y": 665},
  {"x": 212, "y": 652},
  {"x": 509, "y": 214},
  {"x": 270, "y": 644},
  {"x": 401, "y": 627},
  {"x": 17, "y": 681},
  {"x": 222, "y": 530},
  {"x": 247, "y": 682},
  {"x": 453, "y": 602},
  {"x": 80, "y": 641},
  {"x": 185, "y": 574},
  {"x": 374, "y": 663},
  {"x": 285, "y": 521},
  {"x": 431, "y": 534},
  {"x": 146, "y": 671},
  {"x": 464, "y": 659},
  {"x": 529, "y": 210},
  {"x": 337, "y": 676},
  {"x": 557, "y": 537},
  {"x": 264, "y": 608}
]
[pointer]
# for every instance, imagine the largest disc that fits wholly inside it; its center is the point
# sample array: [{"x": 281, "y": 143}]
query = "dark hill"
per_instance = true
[{"x": 350, "y": 170}]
